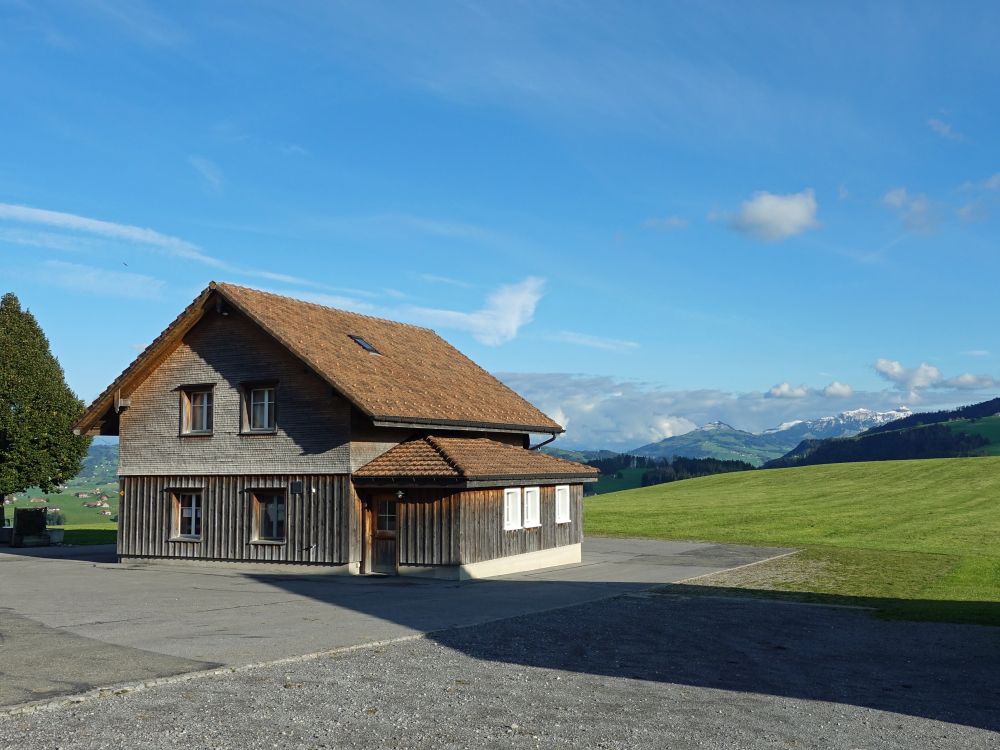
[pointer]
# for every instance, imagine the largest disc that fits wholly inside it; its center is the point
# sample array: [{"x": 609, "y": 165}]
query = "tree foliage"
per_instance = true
[
  {"x": 37, "y": 408},
  {"x": 930, "y": 441},
  {"x": 662, "y": 470}
]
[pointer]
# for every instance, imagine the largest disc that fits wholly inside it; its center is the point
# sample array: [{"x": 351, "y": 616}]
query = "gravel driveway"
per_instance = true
[{"x": 640, "y": 670}]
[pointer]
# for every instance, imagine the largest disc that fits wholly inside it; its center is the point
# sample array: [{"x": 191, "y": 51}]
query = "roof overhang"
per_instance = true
[
  {"x": 423, "y": 424},
  {"x": 462, "y": 483}
]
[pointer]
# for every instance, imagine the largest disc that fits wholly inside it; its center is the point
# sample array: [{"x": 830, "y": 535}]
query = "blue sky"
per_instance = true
[{"x": 644, "y": 216}]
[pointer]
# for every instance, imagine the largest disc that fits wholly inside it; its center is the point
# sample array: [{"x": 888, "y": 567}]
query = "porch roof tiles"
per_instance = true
[{"x": 471, "y": 459}]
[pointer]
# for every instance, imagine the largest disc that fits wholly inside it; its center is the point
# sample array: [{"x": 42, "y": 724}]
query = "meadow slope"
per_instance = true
[{"x": 912, "y": 538}]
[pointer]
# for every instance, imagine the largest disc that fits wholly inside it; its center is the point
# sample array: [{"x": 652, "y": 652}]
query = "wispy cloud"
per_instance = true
[
  {"x": 165, "y": 244},
  {"x": 594, "y": 342},
  {"x": 945, "y": 130},
  {"x": 915, "y": 211},
  {"x": 100, "y": 281},
  {"x": 772, "y": 217},
  {"x": 171, "y": 245},
  {"x": 977, "y": 353},
  {"x": 505, "y": 312},
  {"x": 141, "y": 21},
  {"x": 431, "y": 278},
  {"x": 666, "y": 223},
  {"x": 209, "y": 171}
]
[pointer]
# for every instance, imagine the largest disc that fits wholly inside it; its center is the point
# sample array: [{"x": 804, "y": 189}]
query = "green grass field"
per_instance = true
[
  {"x": 83, "y": 525},
  {"x": 914, "y": 539},
  {"x": 988, "y": 427}
]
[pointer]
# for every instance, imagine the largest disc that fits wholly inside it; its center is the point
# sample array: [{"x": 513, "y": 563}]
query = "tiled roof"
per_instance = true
[
  {"x": 416, "y": 376},
  {"x": 451, "y": 458}
]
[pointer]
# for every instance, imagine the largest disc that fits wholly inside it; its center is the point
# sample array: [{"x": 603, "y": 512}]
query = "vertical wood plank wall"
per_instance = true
[
  {"x": 428, "y": 527},
  {"x": 483, "y": 536},
  {"x": 320, "y": 527}
]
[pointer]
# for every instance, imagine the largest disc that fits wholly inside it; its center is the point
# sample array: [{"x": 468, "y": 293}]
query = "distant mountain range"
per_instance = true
[
  {"x": 722, "y": 441},
  {"x": 970, "y": 431}
]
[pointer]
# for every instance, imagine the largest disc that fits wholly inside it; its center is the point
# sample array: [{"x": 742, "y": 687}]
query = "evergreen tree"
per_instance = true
[{"x": 37, "y": 408}]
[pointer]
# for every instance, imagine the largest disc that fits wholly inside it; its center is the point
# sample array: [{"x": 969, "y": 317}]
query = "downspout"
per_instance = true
[{"x": 544, "y": 442}]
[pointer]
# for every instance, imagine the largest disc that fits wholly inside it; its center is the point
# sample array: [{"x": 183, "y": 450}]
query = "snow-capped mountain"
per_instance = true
[
  {"x": 845, "y": 424},
  {"x": 720, "y": 440}
]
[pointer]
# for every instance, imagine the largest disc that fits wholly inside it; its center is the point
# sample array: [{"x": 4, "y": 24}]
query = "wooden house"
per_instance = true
[{"x": 259, "y": 428}]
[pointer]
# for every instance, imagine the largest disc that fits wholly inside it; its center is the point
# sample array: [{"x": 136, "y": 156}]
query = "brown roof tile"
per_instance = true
[
  {"x": 472, "y": 459},
  {"x": 416, "y": 376}
]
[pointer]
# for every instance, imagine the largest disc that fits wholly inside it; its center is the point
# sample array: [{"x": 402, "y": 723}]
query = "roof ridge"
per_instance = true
[
  {"x": 432, "y": 441},
  {"x": 299, "y": 301}
]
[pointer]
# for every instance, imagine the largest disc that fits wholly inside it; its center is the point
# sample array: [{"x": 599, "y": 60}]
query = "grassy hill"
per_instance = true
[
  {"x": 723, "y": 442},
  {"x": 911, "y": 538},
  {"x": 97, "y": 476}
]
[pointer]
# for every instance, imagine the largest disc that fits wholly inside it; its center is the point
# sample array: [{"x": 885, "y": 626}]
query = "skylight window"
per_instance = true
[{"x": 364, "y": 344}]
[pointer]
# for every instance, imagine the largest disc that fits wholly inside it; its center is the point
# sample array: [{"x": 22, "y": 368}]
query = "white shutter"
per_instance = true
[
  {"x": 532, "y": 508},
  {"x": 562, "y": 504},
  {"x": 512, "y": 508}
]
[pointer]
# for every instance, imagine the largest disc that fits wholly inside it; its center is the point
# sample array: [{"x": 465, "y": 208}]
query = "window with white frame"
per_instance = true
[
  {"x": 562, "y": 504},
  {"x": 532, "y": 508},
  {"x": 512, "y": 508},
  {"x": 259, "y": 408}
]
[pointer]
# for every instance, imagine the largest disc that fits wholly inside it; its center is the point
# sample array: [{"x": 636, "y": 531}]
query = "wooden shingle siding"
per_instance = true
[
  {"x": 484, "y": 538},
  {"x": 428, "y": 528},
  {"x": 320, "y": 526},
  {"x": 313, "y": 424}
]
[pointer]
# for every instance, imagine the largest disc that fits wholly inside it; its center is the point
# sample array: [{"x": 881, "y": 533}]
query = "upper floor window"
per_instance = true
[
  {"x": 260, "y": 408},
  {"x": 196, "y": 410}
]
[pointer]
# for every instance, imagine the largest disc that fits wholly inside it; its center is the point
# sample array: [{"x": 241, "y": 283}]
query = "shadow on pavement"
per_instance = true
[
  {"x": 698, "y": 636},
  {"x": 39, "y": 662},
  {"x": 101, "y": 553}
]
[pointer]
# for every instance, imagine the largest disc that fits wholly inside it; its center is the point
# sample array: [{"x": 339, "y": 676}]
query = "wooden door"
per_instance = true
[{"x": 383, "y": 541}]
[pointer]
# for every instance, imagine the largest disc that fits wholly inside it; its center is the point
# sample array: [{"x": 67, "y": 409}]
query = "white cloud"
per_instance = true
[
  {"x": 969, "y": 382},
  {"x": 100, "y": 282},
  {"x": 505, "y": 312},
  {"x": 992, "y": 182},
  {"x": 605, "y": 412},
  {"x": 594, "y": 342},
  {"x": 914, "y": 381},
  {"x": 208, "y": 170},
  {"x": 666, "y": 223},
  {"x": 944, "y": 129},
  {"x": 908, "y": 378},
  {"x": 843, "y": 193},
  {"x": 785, "y": 390},
  {"x": 836, "y": 389},
  {"x": 771, "y": 217},
  {"x": 977, "y": 353},
  {"x": 915, "y": 211}
]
